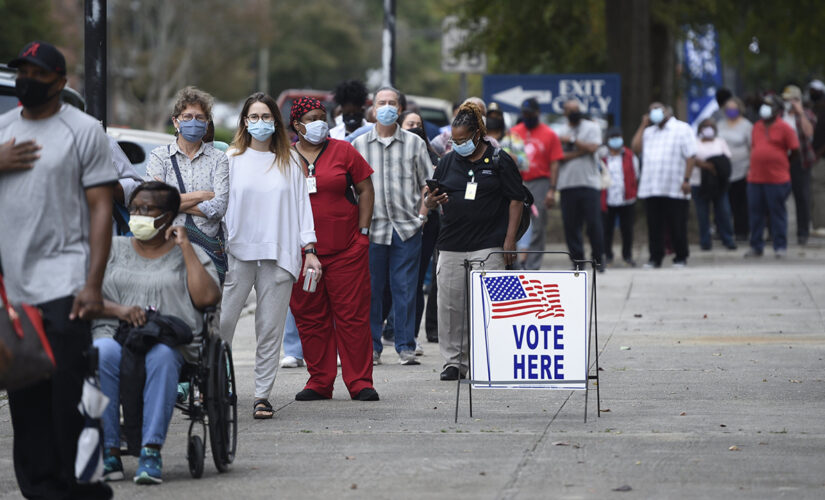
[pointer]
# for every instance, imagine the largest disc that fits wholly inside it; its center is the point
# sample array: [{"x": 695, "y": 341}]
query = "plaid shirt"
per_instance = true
[
  {"x": 664, "y": 152},
  {"x": 401, "y": 169}
]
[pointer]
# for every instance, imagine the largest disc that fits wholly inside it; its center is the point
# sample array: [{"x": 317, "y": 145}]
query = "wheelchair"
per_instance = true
[{"x": 211, "y": 404}]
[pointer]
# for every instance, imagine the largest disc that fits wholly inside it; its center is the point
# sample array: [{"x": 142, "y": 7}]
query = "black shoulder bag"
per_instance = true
[{"x": 524, "y": 224}]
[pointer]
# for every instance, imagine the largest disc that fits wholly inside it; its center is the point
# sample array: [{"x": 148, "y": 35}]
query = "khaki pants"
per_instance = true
[
  {"x": 818, "y": 196},
  {"x": 452, "y": 303}
]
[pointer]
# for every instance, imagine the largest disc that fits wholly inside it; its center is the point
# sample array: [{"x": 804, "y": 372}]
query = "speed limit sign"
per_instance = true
[{"x": 452, "y": 40}]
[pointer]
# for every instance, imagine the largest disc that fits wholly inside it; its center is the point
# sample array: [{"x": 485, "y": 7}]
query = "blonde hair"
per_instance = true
[{"x": 279, "y": 142}]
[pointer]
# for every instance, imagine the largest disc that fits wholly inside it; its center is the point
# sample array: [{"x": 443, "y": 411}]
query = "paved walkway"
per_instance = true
[{"x": 720, "y": 395}]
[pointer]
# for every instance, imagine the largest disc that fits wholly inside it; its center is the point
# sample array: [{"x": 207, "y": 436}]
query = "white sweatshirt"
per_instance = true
[{"x": 269, "y": 216}]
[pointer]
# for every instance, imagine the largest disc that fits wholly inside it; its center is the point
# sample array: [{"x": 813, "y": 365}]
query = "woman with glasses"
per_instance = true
[
  {"x": 198, "y": 170},
  {"x": 268, "y": 221}
]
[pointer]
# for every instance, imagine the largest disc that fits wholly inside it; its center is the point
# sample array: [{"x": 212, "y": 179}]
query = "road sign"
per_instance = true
[
  {"x": 600, "y": 94},
  {"x": 453, "y": 38},
  {"x": 529, "y": 329}
]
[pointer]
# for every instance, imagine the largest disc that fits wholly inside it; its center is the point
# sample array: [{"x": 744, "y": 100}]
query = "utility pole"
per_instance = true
[
  {"x": 95, "y": 58},
  {"x": 388, "y": 44}
]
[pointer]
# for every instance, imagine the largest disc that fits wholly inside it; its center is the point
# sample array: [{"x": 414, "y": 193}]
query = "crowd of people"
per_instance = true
[{"x": 338, "y": 230}]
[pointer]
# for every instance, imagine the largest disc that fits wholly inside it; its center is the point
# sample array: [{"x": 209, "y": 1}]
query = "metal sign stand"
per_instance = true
[{"x": 593, "y": 335}]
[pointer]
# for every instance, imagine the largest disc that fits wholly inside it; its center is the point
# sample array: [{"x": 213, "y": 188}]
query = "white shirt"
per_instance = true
[
  {"x": 269, "y": 216},
  {"x": 340, "y": 131},
  {"x": 664, "y": 152},
  {"x": 615, "y": 192},
  {"x": 705, "y": 150}
]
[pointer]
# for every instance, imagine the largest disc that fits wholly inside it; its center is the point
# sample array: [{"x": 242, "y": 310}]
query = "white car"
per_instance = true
[{"x": 138, "y": 144}]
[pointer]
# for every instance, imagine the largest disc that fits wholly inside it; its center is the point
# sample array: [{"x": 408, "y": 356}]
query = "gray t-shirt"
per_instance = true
[
  {"x": 133, "y": 280},
  {"x": 584, "y": 170},
  {"x": 44, "y": 216},
  {"x": 738, "y": 137}
]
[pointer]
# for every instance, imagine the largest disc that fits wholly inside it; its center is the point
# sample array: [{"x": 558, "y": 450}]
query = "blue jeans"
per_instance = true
[
  {"x": 400, "y": 260},
  {"x": 768, "y": 199},
  {"x": 721, "y": 214},
  {"x": 163, "y": 365},
  {"x": 292, "y": 342}
]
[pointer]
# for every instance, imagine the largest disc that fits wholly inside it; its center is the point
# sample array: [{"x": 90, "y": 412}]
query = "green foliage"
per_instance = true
[{"x": 22, "y": 22}]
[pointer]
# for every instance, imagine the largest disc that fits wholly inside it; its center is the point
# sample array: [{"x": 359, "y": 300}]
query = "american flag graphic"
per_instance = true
[{"x": 513, "y": 296}]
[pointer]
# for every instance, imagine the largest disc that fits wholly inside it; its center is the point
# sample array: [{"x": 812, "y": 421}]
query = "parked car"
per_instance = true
[
  {"x": 8, "y": 99},
  {"x": 433, "y": 110},
  {"x": 138, "y": 144}
]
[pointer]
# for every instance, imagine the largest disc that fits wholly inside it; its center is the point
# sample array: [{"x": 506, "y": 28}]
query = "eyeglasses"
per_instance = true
[
  {"x": 188, "y": 117},
  {"x": 143, "y": 209},
  {"x": 253, "y": 118}
]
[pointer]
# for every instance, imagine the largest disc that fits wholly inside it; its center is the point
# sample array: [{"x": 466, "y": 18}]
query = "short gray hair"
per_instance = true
[
  {"x": 193, "y": 95},
  {"x": 389, "y": 87}
]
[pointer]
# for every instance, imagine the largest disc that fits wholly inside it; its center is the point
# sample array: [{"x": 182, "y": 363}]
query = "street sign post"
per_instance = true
[
  {"x": 452, "y": 39},
  {"x": 599, "y": 93}
]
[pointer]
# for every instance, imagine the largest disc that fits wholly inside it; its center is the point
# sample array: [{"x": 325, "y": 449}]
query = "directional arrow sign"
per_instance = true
[{"x": 600, "y": 94}]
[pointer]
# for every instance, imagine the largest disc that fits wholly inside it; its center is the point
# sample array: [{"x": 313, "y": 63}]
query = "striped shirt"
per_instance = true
[
  {"x": 664, "y": 152},
  {"x": 401, "y": 167},
  {"x": 207, "y": 171}
]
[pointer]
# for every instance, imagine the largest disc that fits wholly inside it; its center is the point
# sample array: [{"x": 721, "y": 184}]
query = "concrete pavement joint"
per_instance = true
[{"x": 813, "y": 300}]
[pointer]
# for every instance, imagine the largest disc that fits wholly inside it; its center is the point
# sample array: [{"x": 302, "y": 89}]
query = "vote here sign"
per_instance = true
[{"x": 529, "y": 330}]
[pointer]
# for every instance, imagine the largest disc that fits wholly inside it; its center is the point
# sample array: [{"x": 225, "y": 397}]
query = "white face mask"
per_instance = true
[
  {"x": 317, "y": 131},
  {"x": 765, "y": 111},
  {"x": 143, "y": 226},
  {"x": 708, "y": 133}
]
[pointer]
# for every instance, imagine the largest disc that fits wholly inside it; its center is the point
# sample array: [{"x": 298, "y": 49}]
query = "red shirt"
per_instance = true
[
  {"x": 769, "y": 152},
  {"x": 336, "y": 218},
  {"x": 542, "y": 147}
]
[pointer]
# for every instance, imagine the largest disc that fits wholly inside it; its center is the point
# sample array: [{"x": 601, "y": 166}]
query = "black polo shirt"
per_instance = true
[{"x": 470, "y": 225}]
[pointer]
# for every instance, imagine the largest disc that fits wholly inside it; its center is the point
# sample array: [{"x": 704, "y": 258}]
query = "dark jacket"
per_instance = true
[{"x": 714, "y": 186}]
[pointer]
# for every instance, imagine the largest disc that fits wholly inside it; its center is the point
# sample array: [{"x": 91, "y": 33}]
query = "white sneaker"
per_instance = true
[
  {"x": 419, "y": 351},
  {"x": 407, "y": 358},
  {"x": 291, "y": 362},
  {"x": 376, "y": 358}
]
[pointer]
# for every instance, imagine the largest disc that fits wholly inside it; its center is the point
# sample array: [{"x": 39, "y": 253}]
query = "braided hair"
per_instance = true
[{"x": 469, "y": 115}]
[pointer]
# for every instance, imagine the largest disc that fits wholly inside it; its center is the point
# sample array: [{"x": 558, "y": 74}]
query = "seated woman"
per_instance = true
[{"x": 157, "y": 267}]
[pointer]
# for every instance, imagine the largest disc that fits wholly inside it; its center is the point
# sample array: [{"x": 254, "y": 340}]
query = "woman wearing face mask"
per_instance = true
[
  {"x": 736, "y": 130},
  {"x": 619, "y": 199},
  {"x": 334, "y": 319},
  {"x": 482, "y": 205},
  {"x": 269, "y": 221},
  {"x": 158, "y": 267},
  {"x": 709, "y": 184},
  {"x": 199, "y": 171}
]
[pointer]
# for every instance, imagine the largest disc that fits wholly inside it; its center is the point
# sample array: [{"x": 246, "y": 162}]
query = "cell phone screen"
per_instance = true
[{"x": 432, "y": 184}]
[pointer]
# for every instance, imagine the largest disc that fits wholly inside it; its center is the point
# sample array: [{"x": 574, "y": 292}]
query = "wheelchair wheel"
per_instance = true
[
  {"x": 195, "y": 454},
  {"x": 222, "y": 406}
]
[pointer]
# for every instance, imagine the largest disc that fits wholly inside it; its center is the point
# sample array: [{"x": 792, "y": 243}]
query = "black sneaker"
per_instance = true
[
  {"x": 450, "y": 373},
  {"x": 309, "y": 395},
  {"x": 368, "y": 394}
]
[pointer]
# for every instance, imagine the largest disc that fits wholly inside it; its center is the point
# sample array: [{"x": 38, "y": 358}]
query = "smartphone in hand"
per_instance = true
[{"x": 432, "y": 185}]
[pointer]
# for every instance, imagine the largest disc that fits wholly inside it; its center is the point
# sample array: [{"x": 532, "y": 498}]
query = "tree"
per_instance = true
[{"x": 22, "y": 23}]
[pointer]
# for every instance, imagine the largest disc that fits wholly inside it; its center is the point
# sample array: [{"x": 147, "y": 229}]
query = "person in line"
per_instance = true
[
  {"x": 578, "y": 181},
  {"x": 769, "y": 180},
  {"x": 268, "y": 220},
  {"x": 402, "y": 165},
  {"x": 351, "y": 96},
  {"x": 709, "y": 147},
  {"x": 816, "y": 92},
  {"x": 56, "y": 189},
  {"x": 544, "y": 152},
  {"x": 293, "y": 351},
  {"x": 736, "y": 130},
  {"x": 482, "y": 204},
  {"x": 442, "y": 143},
  {"x": 668, "y": 147},
  {"x": 334, "y": 320},
  {"x": 158, "y": 267},
  {"x": 199, "y": 171},
  {"x": 802, "y": 121},
  {"x": 619, "y": 199}
]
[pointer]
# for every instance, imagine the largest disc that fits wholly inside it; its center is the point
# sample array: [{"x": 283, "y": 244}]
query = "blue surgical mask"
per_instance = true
[
  {"x": 466, "y": 148},
  {"x": 193, "y": 130},
  {"x": 386, "y": 115},
  {"x": 657, "y": 115},
  {"x": 261, "y": 130},
  {"x": 615, "y": 142}
]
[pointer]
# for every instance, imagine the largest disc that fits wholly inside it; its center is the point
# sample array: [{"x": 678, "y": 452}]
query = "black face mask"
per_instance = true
[
  {"x": 33, "y": 93},
  {"x": 494, "y": 123},
  {"x": 531, "y": 122},
  {"x": 419, "y": 132},
  {"x": 352, "y": 120},
  {"x": 574, "y": 118},
  {"x": 815, "y": 95}
]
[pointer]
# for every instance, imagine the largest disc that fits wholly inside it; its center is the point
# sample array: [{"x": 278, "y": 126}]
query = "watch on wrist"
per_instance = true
[
  {"x": 310, "y": 250},
  {"x": 422, "y": 218},
  {"x": 365, "y": 231}
]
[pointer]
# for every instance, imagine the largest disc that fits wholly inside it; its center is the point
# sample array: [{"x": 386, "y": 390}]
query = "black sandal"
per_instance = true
[{"x": 262, "y": 410}]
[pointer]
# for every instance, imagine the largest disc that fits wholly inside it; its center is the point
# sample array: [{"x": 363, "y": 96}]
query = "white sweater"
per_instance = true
[{"x": 269, "y": 216}]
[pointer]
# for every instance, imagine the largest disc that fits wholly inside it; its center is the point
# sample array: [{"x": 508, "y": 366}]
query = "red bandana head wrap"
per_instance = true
[{"x": 302, "y": 106}]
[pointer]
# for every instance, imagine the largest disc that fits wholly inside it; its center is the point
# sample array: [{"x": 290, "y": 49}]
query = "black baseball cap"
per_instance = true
[
  {"x": 41, "y": 54},
  {"x": 531, "y": 104}
]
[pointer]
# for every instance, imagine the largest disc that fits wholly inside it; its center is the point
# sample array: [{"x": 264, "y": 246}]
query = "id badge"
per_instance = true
[
  {"x": 312, "y": 187},
  {"x": 470, "y": 191}
]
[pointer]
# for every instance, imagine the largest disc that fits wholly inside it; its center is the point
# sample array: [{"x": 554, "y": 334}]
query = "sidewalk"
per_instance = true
[{"x": 721, "y": 394}]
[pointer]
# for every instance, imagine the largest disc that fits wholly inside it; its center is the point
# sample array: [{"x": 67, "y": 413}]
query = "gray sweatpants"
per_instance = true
[
  {"x": 538, "y": 188},
  {"x": 452, "y": 303},
  {"x": 273, "y": 287}
]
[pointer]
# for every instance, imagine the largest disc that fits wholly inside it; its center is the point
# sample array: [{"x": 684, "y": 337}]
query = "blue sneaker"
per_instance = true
[
  {"x": 112, "y": 467},
  {"x": 149, "y": 465}
]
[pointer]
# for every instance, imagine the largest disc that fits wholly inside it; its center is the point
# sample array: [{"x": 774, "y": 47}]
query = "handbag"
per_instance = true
[
  {"x": 25, "y": 353},
  {"x": 213, "y": 246},
  {"x": 527, "y": 202}
]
